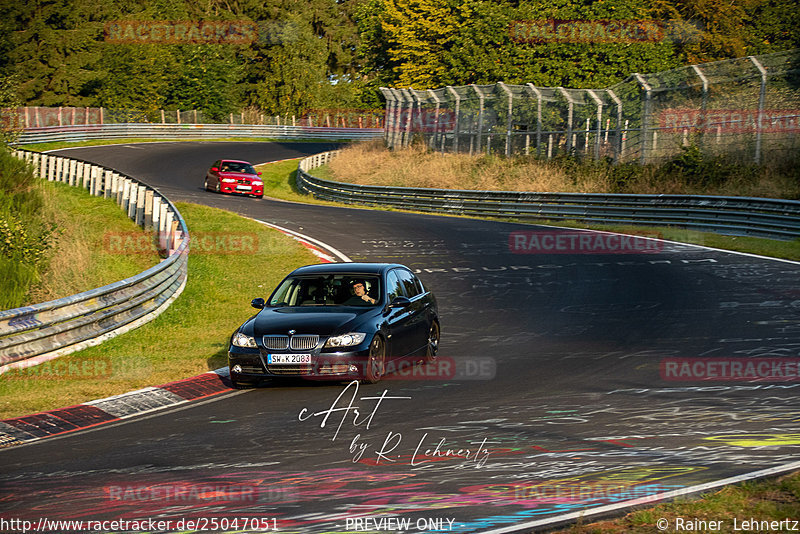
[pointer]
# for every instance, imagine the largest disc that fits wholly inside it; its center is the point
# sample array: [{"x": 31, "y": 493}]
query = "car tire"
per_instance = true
[
  {"x": 218, "y": 188},
  {"x": 205, "y": 184},
  {"x": 376, "y": 362},
  {"x": 434, "y": 335}
]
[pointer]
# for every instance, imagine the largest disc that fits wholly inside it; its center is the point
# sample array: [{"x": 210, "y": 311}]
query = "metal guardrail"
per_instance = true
[
  {"x": 759, "y": 217},
  {"x": 189, "y": 131},
  {"x": 37, "y": 333}
]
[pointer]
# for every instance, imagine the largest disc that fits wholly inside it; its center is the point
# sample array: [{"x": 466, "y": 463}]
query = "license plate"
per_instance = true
[
  {"x": 243, "y": 187},
  {"x": 288, "y": 359}
]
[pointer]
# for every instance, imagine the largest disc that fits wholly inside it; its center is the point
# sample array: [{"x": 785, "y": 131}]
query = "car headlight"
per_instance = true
[
  {"x": 345, "y": 340},
  {"x": 258, "y": 182},
  {"x": 229, "y": 180},
  {"x": 241, "y": 340}
]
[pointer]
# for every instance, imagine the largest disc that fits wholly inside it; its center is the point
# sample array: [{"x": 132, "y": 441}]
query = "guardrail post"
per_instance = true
[
  {"x": 140, "y": 198},
  {"x": 97, "y": 181},
  {"x": 70, "y": 178},
  {"x": 131, "y": 207},
  {"x": 121, "y": 185},
  {"x": 107, "y": 178},
  {"x": 156, "y": 213},
  {"x": 164, "y": 237},
  {"x": 87, "y": 176},
  {"x": 148, "y": 209}
]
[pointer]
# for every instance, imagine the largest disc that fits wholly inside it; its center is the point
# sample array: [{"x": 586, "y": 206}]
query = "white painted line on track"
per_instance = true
[{"x": 309, "y": 239}]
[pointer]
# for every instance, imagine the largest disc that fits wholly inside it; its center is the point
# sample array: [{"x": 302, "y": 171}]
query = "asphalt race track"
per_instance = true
[{"x": 567, "y": 381}]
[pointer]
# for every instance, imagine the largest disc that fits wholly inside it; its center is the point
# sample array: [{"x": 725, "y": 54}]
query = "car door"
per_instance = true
[
  {"x": 418, "y": 311},
  {"x": 213, "y": 176},
  {"x": 399, "y": 321}
]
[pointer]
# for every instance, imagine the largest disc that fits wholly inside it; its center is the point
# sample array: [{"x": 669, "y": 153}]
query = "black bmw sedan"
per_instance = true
[{"x": 337, "y": 321}]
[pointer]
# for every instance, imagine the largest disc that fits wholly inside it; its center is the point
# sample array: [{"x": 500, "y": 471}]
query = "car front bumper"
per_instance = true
[{"x": 251, "y": 364}]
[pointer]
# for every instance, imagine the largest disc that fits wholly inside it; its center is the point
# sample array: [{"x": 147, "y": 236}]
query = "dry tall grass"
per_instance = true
[{"x": 370, "y": 163}]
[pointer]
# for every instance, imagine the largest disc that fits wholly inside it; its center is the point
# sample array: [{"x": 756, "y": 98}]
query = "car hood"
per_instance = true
[
  {"x": 239, "y": 175},
  {"x": 320, "y": 321}
]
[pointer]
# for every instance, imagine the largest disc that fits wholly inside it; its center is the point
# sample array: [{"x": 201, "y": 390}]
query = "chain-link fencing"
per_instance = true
[{"x": 747, "y": 109}]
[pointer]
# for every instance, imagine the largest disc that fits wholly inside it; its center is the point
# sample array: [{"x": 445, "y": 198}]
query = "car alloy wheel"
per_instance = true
[
  {"x": 205, "y": 184},
  {"x": 433, "y": 343},
  {"x": 376, "y": 363},
  {"x": 217, "y": 189}
]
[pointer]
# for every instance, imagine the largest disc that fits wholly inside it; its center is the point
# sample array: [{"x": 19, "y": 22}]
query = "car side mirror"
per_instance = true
[
  {"x": 214, "y": 169},
  {"x": 259, "y": 173},
  {"x": 258, "y": 303},
  {"x": 399, "y": 302}
]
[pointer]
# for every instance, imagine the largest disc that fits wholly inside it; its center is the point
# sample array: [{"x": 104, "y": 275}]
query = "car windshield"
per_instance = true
[
  {"x": 327, "y": 290},
  {"x": 233, "y": 166}
]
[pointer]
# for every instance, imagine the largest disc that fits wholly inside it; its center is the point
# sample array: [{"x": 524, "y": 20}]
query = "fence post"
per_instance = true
[
  {"x": 510, "y": 96},
  {"x": 645, "y": 117},
  {"x": 535, "y": 90},
  {"x": 480, "y": 115},
  {"x": 406, "y": 98},
  {"x": 703, "y": 104},
  {"x": 618, "y": 145},
  {"x": 457, "y": 117},
  {"x": 570, "y": 111},
  {"x": 435, "y": 136},
  {"x": 599, "y": 104},
  {"x": 387, "y": 94},
  {"x": 761, "y": 97}
]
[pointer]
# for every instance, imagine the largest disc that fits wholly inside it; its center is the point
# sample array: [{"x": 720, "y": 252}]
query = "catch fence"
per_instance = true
[{"x": 747, "y": 109}]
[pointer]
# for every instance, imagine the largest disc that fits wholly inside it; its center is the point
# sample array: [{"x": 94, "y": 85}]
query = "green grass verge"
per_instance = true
[
  {"x": 189, "y": 338},
  {"x": 766, "y": 500},
  {"x": 85, "y": 256}
]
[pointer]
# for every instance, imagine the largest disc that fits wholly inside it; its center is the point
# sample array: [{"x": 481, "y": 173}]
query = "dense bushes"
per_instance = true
[{"x": 25, "y": 238}]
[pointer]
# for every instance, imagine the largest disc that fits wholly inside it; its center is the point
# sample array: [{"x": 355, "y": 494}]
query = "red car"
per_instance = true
[{"x": 234, "y": 176}]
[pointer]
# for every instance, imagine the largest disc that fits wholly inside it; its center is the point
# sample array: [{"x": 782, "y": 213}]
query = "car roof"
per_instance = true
[
  {"x": 335, "y": 268},
  {"x": 235, "y": 161}
]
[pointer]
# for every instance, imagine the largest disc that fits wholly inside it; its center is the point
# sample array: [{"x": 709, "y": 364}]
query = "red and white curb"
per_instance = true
[{"x": 30, "y": 428}]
